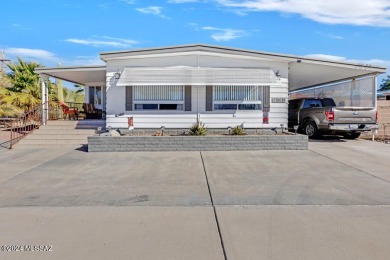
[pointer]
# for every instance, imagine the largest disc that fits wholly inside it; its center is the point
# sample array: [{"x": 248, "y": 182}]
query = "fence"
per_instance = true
[{"x": 359, "y": 92}]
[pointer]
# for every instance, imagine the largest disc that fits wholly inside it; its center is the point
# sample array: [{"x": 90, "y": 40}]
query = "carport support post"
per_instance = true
[
  {"x": 353, "y": 86},
  {"x": 45, "y": 99},
  {"x": 375, "y": 86}
]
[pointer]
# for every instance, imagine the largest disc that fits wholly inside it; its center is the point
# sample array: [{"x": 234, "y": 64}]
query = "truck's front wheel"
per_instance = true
[
  {"x": 351, "y": 135},
  {"x": 311, "y": 129}
]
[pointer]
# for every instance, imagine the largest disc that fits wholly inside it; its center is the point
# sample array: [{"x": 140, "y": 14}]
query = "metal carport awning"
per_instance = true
[
  {"x": 79, "y": 75},
  {"x": 196, "y": 76},
  {"x": 307, "y": 73}
]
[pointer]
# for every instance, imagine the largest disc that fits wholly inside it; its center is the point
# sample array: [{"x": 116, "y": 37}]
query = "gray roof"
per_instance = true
[{"x": 226, "y": 50}]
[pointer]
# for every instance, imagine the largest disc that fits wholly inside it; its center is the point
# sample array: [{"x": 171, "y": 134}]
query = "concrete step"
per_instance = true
[
  {"x": 56, "y": 137},
  {"x": 67, "y": 127},
  {"x": 57, "y": 142},
  {"x": 61, "y": 133},
  {"x": 51, "y": 146},
  {"x": 48, "y": 131},
  {"x": 76, "y": 122}
]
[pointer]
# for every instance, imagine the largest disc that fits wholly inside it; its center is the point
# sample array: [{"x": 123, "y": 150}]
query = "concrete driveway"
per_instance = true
[{"x": 330, "y": 202}]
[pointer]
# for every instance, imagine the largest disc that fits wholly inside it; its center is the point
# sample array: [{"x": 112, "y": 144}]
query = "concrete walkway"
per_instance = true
[{"x": 331, "y": 202}]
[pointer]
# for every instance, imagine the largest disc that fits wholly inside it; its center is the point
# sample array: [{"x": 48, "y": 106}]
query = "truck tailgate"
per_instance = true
[{"x": 354, "y": 115}]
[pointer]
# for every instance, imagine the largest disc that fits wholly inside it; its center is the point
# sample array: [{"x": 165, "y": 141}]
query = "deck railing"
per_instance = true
[{"x": 26, "y": 123}]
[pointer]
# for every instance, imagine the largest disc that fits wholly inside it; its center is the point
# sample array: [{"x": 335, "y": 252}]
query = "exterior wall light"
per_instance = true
[{"x": 117, "y": 74}]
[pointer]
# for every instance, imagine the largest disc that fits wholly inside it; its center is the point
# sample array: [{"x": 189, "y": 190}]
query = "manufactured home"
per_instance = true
[{"x": 174, "y": 87}]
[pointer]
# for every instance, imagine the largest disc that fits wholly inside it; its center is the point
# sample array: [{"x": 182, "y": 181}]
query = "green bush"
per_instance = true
[
  {"x": 238, "y": 130},
  {"x": 198, "y": 129}
]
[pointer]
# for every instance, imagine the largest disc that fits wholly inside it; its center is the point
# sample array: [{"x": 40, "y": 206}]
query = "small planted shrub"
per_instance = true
[
  {"x": 157, "y": 134},
  {"x": 198, "y": 129},
  {"x": 238, "y": 130}
]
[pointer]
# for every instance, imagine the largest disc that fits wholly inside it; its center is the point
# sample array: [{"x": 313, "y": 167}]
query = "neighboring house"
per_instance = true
[
  {"x": 176, "y": 86},
  {"x": 383, "y": 95}
]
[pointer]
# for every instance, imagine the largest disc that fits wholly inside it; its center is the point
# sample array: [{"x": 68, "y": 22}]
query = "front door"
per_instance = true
[{"x": 97, "y": 96}]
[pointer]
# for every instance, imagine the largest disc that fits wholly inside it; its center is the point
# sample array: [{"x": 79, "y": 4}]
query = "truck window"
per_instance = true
[
  {"x": 328, "y": 102},
  {"x": 293, "y": 104},
  {"x": 312, "y": 103}
]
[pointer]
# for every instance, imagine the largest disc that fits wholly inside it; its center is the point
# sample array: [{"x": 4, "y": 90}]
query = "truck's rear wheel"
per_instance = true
[
  {"x": 310, "y": 129},
  {"x": 351, "y": 135}
]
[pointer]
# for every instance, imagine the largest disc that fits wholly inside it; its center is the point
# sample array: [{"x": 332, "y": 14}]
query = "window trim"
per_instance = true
[
  {"x": 158, "y": 102},
  {"x": 239, "y": 102},
  {"x": 158, "y": 106}
]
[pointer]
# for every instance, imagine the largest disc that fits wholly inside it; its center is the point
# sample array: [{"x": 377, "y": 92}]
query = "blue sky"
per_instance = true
[{"x": 74, "y": 32}]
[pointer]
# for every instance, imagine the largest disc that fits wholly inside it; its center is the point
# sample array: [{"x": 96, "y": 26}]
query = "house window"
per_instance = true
[
  {"x": 158, "y": 97},
  {"x": 237, "y": 97},
  {"x": 95, "y": 95}
]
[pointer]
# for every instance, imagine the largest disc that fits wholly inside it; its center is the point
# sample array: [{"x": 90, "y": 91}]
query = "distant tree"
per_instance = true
[
  {"x": 385, "y": 84},
  {"x": 4, "y": 81},
  {"x": 76, "y": 95}
]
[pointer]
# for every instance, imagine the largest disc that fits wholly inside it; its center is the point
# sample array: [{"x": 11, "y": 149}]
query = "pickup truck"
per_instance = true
[{"x": 321, "y": 116}]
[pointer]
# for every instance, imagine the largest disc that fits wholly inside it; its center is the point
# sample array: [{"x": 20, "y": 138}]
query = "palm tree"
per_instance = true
[
  {"x": 20, "y": 89},
  {"x": 25, "y": 91}
]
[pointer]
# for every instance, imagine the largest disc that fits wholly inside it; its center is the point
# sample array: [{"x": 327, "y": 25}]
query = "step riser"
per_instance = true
[
  {"x": 73, "y": 123},
  {"x": 51, "y": 142},
  {"x": 57, "y": 137},
  {"x": 59, "y": 127},
  {"x": 86, "y": 132},
  {"x": 35, "y": 146}
]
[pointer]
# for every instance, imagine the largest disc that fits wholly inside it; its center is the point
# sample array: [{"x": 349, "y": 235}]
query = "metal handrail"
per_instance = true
[{"x": 25, "y": 124}]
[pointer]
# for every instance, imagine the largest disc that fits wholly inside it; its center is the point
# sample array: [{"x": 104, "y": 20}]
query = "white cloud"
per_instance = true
[
  {"x": 104, "y": 41},
  {"x": 225, "y": 34},
  {"x": 327, "y": 57},
  {"x": 50, "y": 59},
  {"x": 130, "y": 2},
  {"x": 83, "y": 61},
  {"x": 104, "y": 5},
  {"x": 34, "y": 54},
  {"x": 186, "y": 1},
  {"x": 154, "y": 10},
  {"x": 331, "y": 35},
  {"x": 378, "y": 62},
  {"x": 20, "y": 26},
  {"x": 354, "y": 12}
]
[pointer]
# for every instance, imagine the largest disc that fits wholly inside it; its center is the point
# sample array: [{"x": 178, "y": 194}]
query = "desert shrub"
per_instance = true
[
  {"x": 238, "y": 130},
  {"x": 198, "y": 129}
]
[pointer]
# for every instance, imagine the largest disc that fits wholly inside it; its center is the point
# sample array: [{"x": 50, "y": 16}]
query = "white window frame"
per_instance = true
[
  {"x": 238, "y": 102},
  {"x": 158, "y": 101}
]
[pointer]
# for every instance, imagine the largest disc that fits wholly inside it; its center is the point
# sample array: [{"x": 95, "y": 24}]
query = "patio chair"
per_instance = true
[
  {"x": 90, "y": 111},
  {"x": 69, "y": 111}
]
